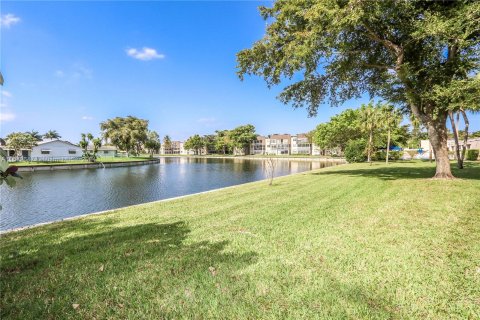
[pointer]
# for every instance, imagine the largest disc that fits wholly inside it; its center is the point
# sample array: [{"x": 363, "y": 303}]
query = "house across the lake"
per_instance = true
[
  {"x": 105, "y": 151},
  {"x": 46, "y": 149},
  {"x": 56, "y": 149}
]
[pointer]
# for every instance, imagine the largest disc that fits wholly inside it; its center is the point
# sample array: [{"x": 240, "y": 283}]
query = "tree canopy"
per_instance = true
[
  {"x": 421, "y": 55},
  {"x": 354, "y": 124},
  {"x": 52, "y": 134},
  {"x": 194, "y": 143},
  {"x": 35, "y": 135},
  {"x": 242, "y": 136},
  {"x": 152, "y": 144},
  {"x": 21, "y": 140},
  {"x": 128, "y": 134}
]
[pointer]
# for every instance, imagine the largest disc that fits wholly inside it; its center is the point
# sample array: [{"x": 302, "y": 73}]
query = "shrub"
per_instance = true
[
  {"x": 355, "y": 150},
  {"x": 394, "y": 155},
  {"x": 381, "y": 155},
  {"x": 472, "y": 154}
]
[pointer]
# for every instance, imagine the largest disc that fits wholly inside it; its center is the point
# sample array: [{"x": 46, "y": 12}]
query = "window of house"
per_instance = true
[
  {"x": 105, "y": 151},
  {"x": 45, "y": 151},
  {"x": 72, "y": 151}
]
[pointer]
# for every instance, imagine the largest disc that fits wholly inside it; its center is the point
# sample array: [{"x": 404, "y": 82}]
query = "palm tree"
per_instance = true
[
  {"x": 52, "y": 134},
  {"x": 369, "y": 115},
  {"x": 97, "y": 143},
  {"x": 167, "y": 143},
  {"x": 389, "y": 118},
  {"x": 35, "y": 135}
]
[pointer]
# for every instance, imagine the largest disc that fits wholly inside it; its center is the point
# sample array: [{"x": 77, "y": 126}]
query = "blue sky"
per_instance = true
[{"x": 70, "y": 65}]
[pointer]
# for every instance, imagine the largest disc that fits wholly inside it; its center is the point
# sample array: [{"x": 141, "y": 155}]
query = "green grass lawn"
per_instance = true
[
  {"x": 69, "y": 162},
  {"x": 349, "y": 242}
]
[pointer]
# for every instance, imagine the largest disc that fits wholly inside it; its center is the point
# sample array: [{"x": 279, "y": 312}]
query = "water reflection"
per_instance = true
[{"x": 52, "y": 195}]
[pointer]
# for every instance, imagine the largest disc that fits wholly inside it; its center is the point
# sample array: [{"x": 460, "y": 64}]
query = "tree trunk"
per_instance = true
[
  {"x": 388, "y": 146},
  {"x": 437, "y": 134},
  {"x": 369, "y": 151},
  {"x": 455, "y": 136},
  {"x": 465, "y": 136}
]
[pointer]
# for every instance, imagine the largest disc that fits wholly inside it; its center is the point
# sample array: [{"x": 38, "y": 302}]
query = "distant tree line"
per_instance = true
[
  {"x": 367, "y": 133},
  {"x": 235, "y": 141}
]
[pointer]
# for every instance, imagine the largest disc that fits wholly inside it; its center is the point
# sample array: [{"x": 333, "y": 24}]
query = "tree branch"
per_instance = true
[{"x": 377, "y": 66}]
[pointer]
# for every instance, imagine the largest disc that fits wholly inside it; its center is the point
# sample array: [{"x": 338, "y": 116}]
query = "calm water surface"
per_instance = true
[{"x": 53, "y": 195}]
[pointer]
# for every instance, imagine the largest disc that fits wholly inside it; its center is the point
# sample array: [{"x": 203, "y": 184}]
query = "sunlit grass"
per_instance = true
[{"x": 354, "y": 241}]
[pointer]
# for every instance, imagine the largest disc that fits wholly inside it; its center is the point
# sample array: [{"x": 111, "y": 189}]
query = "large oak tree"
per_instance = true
[
  {"x": 128, "y": 134},
  {"x": 421, "y": 55}
]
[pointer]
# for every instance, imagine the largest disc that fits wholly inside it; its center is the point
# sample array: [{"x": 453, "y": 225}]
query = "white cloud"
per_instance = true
[
  {"x": 59, "y": 74},
  {"x": 206, "y": 120},
  {"x": 6, "y": 116},
  {"x": 6, "y": 93},
  {"x": 74, "y": 73},
  {"x": 8, "y": 20},
  {"x": 80, "y": 71},
  {"x": 144, "y": 54},
  {"x": 87, "y": 118}
]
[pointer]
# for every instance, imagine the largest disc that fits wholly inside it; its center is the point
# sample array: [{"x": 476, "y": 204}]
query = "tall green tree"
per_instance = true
[
  {"x": 223, "y": 142},
  {"x": 152, "y": 144},
  {"x": 339, "y": 130},
  {"x": 389, "y": 119},
  {"x": 194, "y": 143},
  {"x": 19, "y": 141},
  {"x": 370, "y": 116},
  {"x": 417, "y": 134},
  {"x": 167, "y": 143},
  {"x": 421, "y": 55},
  {"x": 86, "y": 140},
  {"x": 209, "y": 143},
  {"x": 242, "y": 137},
  {"x": 35, "y": 135},
  {"x": 128, "y": 134},
  {"x": 52, "y": 134}
]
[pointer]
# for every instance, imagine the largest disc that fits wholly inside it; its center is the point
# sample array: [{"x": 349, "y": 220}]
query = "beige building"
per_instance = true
[
  {"x": 299, "y": 144},
  {"x": 473, "y": 143},
  {"x": 258, "y": 146},
  {"x": 276, "y": 144}
]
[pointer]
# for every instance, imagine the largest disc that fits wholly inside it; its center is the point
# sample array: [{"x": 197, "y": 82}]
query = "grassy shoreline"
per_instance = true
[
  {"x": 70, "y": 162},
  {"x": 353, "y": 241}
]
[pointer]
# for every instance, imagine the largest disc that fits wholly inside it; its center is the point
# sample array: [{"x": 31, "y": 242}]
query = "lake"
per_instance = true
[{"x": 45, "y": 196}]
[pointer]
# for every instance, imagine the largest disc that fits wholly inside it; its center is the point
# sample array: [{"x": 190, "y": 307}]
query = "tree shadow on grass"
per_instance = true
[
  {"x": 471, "y": 171},
  {"x": 111, "y": 273}
]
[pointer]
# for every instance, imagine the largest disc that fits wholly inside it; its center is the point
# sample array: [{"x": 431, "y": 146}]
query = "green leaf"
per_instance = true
[
  {"x": 11, "y": 182},
  {"x": 3, "y": 164}
]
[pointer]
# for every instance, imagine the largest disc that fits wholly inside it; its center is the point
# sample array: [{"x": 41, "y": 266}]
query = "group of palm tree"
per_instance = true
[
  {"x": 50, "y": 134},
  {"x": 379, "y": 116}
]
